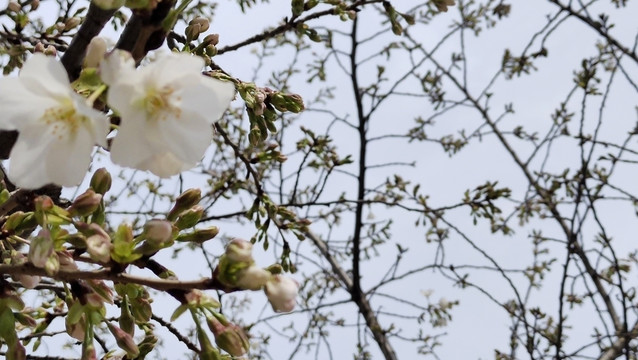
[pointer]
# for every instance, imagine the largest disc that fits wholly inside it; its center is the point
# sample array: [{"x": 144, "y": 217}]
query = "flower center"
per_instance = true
[
  {"x": 158, "y": 103},
  {"x": 64, "y": 119}
]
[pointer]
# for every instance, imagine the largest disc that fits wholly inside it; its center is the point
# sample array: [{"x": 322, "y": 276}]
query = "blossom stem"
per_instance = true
[{"x": 91, "y": 99}]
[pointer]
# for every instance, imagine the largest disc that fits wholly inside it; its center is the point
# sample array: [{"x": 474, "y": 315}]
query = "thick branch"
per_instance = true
[
  {"x": 94, "y": 22},
  {"x": 616, "y": 349}
]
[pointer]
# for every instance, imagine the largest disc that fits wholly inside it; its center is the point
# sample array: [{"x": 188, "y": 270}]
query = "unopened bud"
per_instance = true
[
  {"x": 72, "y": 23},
  {"x": 287, "y": 102},
  {"x": 212, "y": 39},
  {"x": 50, "y": 51},
  {"x": 158, "y": 232},
  {"x": 99, "y": 244},
  {"x": 211, "y": 50},
  {"x": 228, "y": 336},
  {"x": 41, "y": 248},
  {"x": 35, "y": 4},
  {"x": 94, "y": 55},
  {"x": 297, "y": 7},
  {"x": 38, "y": 48},
  {"x": 124, "y": 340},
  {"x": 239, "y": 250},
  {"x": 52, "y": 265},
  {"x": 43, "y": 203},
  {"x": 192, "y": 31},
  {"x": 59, "y": 26},
  {"x": 13, "y": 221},
  {"x": 66, "y": 261},
  {"x": 86, "y": 203},
  {"x": 252, "y": 278},
  {"x": 190, "y": 217},
  {"x": 184, "y": 201},
  {"x": 199, "y": 236},
  {"x": 13, "y": 6},
  {"x": 275, "y": 269},
  {"x": 202, "y": 22},
  {"x": 282, "y": 293}
]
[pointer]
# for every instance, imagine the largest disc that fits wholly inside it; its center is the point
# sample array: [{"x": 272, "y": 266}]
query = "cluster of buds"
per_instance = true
[
  {"x": 196, "y": 27},
  {"x": 261, "y": 99},
  {"x": 237, "y": 270},
  {"x": 49, "y": 50},
  {"x": 186, "y": 213}
]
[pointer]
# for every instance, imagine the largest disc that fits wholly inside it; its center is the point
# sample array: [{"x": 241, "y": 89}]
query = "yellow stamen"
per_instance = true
[
  {"x": 158, "y": 103},
  {"x": 63, "y": 119}
]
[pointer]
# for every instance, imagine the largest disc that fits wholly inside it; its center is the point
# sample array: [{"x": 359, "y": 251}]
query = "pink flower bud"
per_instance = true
[
  {"x": 86, "y": 203},
  {"x": 282, "y": 293},
  {"x": 228, "y": 336},
  {"x": 38, "y": 48},
  {"x": 50, "y": 51},
  {"x": 124, "y": 340},
  {"x": 99, "y": 244},
  {"x": 41, "y": 248},
  {"x": 239, "y": 250},
  {"x": 66, "y": 261},
  {"x": 252, "y": 278},
  {"x": 158, "y": 232},
  {"x": 13, "y": 6}
]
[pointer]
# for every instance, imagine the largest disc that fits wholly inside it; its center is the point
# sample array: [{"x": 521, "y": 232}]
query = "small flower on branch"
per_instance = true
[
  {"x": 167, "y": 110},
  {"x": 57, "y": 127},
  {"x": 282, "y": 293}
]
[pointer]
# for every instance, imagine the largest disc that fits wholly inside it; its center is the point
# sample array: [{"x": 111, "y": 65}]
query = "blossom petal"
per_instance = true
[
  {"x": 172, "y": 68},
  {"x": 117, "y": 66},
  {"x": 27, "y": 168},
  {"x": 15, "y": 112},
  {"x": 45, "y": 76},
  {"x": 37, "y": 160},
  {"x": 97, "y": 125},
  {"x": 214, "y": 99},
  {"x": 166, "y": 113}
]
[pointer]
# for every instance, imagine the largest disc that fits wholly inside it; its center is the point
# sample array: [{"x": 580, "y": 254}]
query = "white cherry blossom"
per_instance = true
[
  {"x": 166, "y": 107},
  {"x": 57, "y": 128},
  {"x": 282, "y": 293}
]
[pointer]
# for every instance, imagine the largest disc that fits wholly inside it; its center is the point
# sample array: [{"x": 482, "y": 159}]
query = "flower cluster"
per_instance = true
[
  {"x": 166, "y": 111},
  {"x": 237, "y": 270}
]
